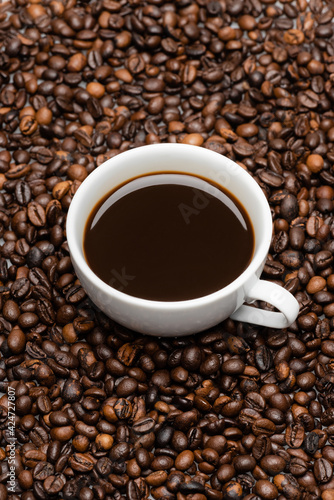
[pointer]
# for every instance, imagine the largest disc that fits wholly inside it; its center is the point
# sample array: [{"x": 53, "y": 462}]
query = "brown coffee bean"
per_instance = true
[
  {"x": 323, "y": 259},
  {"x": 315, "y": 163},
  {"x": 191, "y": 358},
  {"x": 194, "y": 139},
  {"x": 25, "y": 479},
  {"x": 95, "y": 89},
  {"x": 294, "y": 435},
  {"x": 28, "y": 125},
  {"x": 62, "y": 434},
  {"x": 44, "y": 116},
  {"x": 217, "y": 443},
  {"x": 81, "y": 462},
  {"x": 266, "y": 489},
  {"x": 247, "y": 130},
  {"x": 126, "y": 387},
  {"x": 273, "y": 464},
  {"x": 157, "y": 478},
  {"x": 232, "y": 489},
  {"x": 233, "y": 367},
  {"x": 16, "y": 340},
  {"x": 323, "y": 470},
  {"x": 247, "y": 22},
  {"x": 291, "y": 259},
  {"x": 327, "y": 347},
  {"x": 243, "y": 464},
  {"x": 298, "y": 467},
  {"x": 261, "y": 447},
  {"x": 184, "y": 460},
  {"x": 316, "y": 284},
  {"x": 76, "y": 172},
  {"x": 263, "y": 426}
]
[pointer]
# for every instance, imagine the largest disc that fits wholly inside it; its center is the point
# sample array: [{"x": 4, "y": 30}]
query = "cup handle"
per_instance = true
[{"x": 273, "y": 294}]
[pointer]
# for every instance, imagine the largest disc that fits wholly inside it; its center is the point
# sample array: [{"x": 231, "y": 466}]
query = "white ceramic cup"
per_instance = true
[{"x": 189, "y": 316}]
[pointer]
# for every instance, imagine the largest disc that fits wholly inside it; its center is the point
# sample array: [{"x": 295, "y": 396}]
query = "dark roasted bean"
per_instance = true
[{"x": 323, "y": 470}]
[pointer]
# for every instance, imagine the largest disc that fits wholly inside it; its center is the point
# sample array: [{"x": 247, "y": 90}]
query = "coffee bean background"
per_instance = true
[{"x": 104, "y": 413}]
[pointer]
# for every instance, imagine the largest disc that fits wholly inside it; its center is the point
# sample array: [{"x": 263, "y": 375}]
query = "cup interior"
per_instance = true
[{"x": 177, "y": 158}]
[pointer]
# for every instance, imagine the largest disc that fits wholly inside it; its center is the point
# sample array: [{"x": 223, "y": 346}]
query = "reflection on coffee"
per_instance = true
[{"x": 168, "y": 237}]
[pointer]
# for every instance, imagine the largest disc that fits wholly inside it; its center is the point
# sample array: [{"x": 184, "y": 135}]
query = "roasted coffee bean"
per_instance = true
[
  {"x": 294, "y": 435},
  {"x": 263, "y": 426},
  {"x": 323, "y": 470},
  {"x": 233, "y": 367},
  {"x": 243, "y": 464},
  {"x": 263, "y": 358},
  {"x": 261, "y": 447},
  {"x": 289, "y": 207},
  {"x": 298, "y": 467},
  {"x": 191, "y": 358},
  {"x": 126, "y": 387},
  {"x": 272, "y": 464},
  {"x": 265, "y": 489}
]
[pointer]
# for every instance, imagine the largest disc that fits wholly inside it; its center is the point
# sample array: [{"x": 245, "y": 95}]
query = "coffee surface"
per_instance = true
[{"x": 168, "y": 238}]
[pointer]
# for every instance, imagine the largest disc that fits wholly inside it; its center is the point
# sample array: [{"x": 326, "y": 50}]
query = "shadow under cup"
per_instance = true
[{"x": 168, "y": 318}]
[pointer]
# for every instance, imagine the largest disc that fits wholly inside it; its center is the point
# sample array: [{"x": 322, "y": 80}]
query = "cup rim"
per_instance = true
[{"x": 77, "y": 255}]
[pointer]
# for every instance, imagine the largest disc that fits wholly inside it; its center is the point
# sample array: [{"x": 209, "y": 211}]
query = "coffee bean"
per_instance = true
[
  {"x": 72, "y": 391},
  {"x": 323, "y": 259},
  {"x": 291, "y": 259},
  {"x": 143, "y": 426},
  {"x": 323, "y": 470},
  {"x": 263, "y": 426},
  {"x": 81, "y": 462},
  {"x": 16, "y": 341},
  {"x": 191, "y": 358},
  {"x": 289, "y": 207},
  {"x": 294, "y": 435},
  {"x": 126, "y": 387},
  {"x": 272, "y": 464},
  {"x": 232, "y": 489},
  {"x": 266, "y": 489},
  {"x": 243, "y": 464},
  {"x": 273, "y": 268},
  {"x": 263, "y": 358},
  {"x": 261, "y": 447},
  {"x": 184, "y": 460},
  {"x": 233, "y": 367},
  {"x": 297, "y": 467},
  {"x": 54, "y": 484}
]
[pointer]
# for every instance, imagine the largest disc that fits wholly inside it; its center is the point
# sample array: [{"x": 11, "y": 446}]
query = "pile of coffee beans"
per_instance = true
[{"x": 105, "y": 413}]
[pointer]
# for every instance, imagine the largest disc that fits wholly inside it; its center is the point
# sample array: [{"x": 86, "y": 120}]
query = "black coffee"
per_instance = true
[{"x": 168, "y": 237}]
